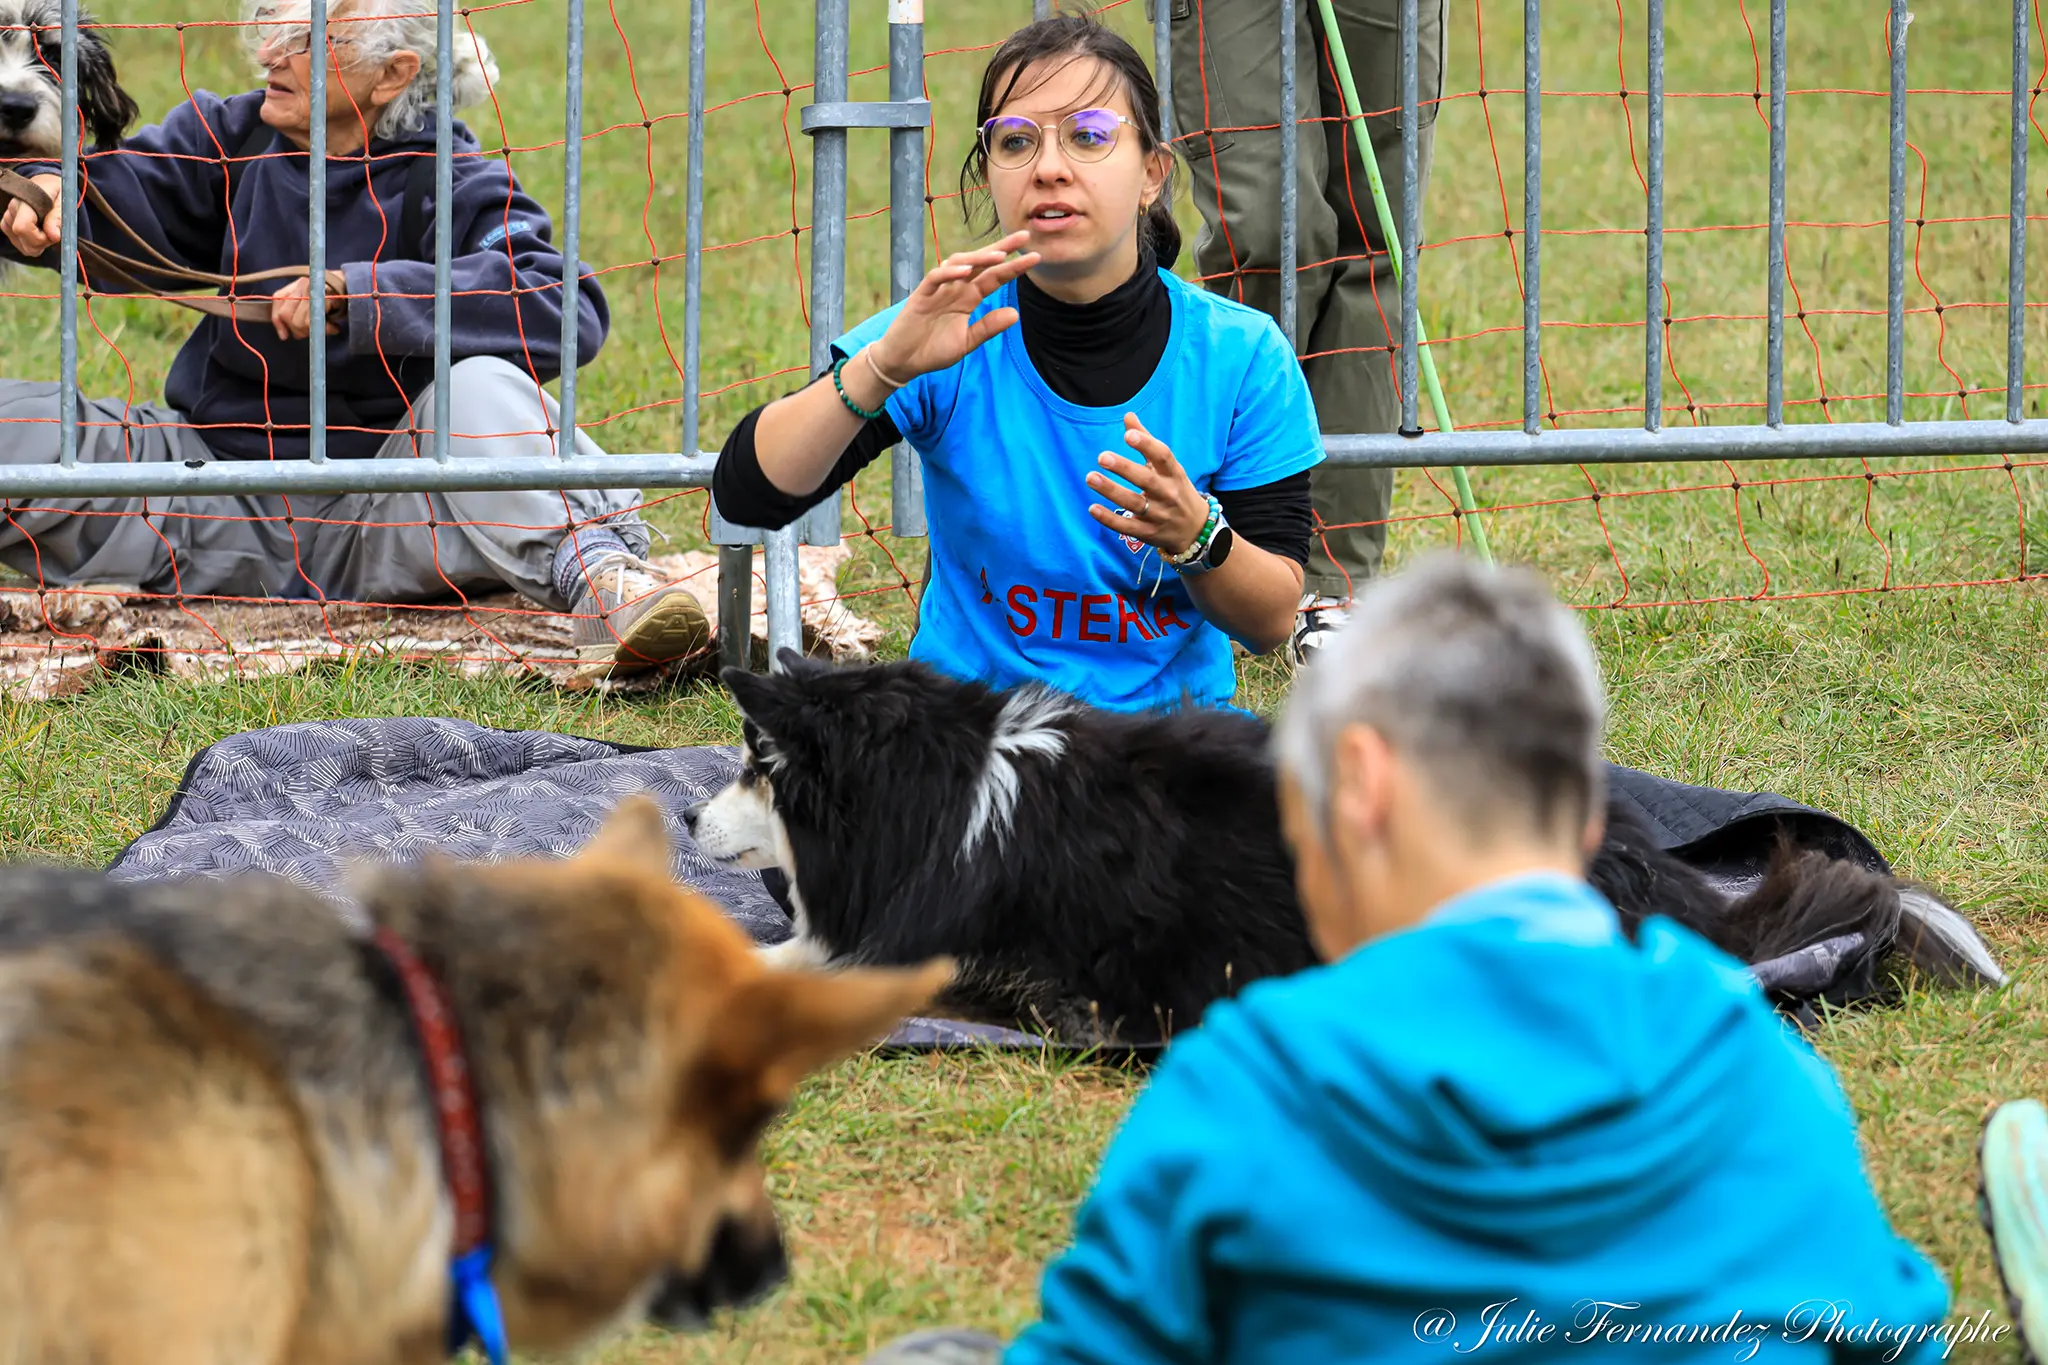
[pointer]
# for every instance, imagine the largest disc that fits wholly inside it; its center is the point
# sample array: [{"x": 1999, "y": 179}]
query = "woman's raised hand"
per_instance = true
[
  {"x": 933, "y": 331},
  {"x": 1167, "y": 511}
]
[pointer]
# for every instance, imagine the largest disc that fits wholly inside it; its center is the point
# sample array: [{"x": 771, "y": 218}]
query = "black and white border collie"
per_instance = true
[{"x": 1102, "y": 877}]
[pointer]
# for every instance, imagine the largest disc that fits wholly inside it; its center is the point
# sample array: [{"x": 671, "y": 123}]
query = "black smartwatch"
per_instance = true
[
  {"x": 1220, "y": 541},
  {"x": 1219, "y": 547}
]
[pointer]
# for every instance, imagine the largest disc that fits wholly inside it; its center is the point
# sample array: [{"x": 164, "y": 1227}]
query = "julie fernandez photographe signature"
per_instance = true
[{"x": 1613, "y": 1322}]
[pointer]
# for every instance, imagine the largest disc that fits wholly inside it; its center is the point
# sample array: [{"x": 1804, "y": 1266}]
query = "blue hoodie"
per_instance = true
[
  {"x": 1504, "y": 1120},
  {"x": 232, "y": 377}
]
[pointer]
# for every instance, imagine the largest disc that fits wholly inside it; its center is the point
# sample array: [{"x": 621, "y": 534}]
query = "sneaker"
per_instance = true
[
  {"x": 628, "y": 620},
  {"x": 2012, "y": 1201},
  {"x": 1320, "y": 618}
]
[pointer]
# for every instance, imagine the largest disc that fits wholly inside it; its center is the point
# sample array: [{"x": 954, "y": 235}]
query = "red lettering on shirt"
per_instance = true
[
  {"x": 1021, "y": 598},
  {"x": 1128, "y": 616},
  {"x": 1089, "y": 615},
  {"x": 1059, "y": 600}
]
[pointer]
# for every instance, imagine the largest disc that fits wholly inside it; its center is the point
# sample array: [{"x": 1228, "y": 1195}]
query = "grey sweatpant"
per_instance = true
[
  {"x": 1226, "y": 108},
  {"x": 356, "y": 547}
]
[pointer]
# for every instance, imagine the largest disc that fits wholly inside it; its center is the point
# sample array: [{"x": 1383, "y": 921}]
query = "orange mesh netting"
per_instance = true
[{"x": 1611, "y": 536}]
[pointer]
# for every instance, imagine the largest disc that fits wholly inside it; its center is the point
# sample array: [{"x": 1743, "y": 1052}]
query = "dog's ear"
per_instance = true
[
  {"x": 760, "y": 696},
  {"x": 107, "y": 108},
  {"x": 780, "y": 1027},
  {"x": 633, "y": 835}
]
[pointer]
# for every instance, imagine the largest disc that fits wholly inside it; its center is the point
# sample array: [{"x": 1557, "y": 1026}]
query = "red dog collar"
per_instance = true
[{"x": 474, "y": 1306}]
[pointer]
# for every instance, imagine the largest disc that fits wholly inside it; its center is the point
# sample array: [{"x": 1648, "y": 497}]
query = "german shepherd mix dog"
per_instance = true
[
  {"x": 218, "y": 1141},
  {"x": 1103, "y": 877}
]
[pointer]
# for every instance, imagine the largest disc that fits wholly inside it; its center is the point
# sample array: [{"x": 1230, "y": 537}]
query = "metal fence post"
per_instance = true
[
  {"x": 827, "y": 121},
  {"x": 1290, "y": 173},
  {"x": 1411, "y": 223},
  {"x": 1895, "y": 279},
  {"x": 820, "y": 525},
  {"x": 736, "y": 606},
  {"x": 828, "y": 304},
  {"x": 572, "y": 229},
  {"x": 785, "y": 621},
  {"x": 319, "y": 56},
  {"x": 906, "y": 231},
  {"x": 1774, "y": 327},
  {"x": 444, "y": 233},
  {"x": 693, "y": 229},
  {"x": 735, "y": 561},
  {"x": 1532, "y": 216},
  {"x": 1162, "y": 62},
  {"x": 67, "y": 255},
  {"x": 2016, "y": 265},
  {"x": 1653, "y": 233}
]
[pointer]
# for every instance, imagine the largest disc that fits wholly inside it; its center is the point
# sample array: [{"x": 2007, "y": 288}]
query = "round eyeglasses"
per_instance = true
[
  {"x": 1085, "y": 135},
  {"x": 284, "y": 39}
]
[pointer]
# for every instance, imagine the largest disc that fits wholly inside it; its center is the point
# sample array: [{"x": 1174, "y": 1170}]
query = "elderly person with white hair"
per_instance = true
[{"x": 221, "y": 185}]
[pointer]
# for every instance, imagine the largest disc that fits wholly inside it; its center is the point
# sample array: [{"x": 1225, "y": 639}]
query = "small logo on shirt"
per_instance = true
[
  {"x": 504, "y": 230},
  {"x": 1131, "y": 543}
]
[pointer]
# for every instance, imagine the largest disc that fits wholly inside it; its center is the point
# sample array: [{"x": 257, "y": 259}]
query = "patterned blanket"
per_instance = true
[{"x": 304, "y": 800}]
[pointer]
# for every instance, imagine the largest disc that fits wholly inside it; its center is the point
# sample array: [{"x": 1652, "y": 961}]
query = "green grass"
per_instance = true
[{"x": 932, "y": 1190}]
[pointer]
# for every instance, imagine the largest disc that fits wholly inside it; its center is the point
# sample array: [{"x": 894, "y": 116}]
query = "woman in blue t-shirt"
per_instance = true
[{"x": 1120, "y": 578}]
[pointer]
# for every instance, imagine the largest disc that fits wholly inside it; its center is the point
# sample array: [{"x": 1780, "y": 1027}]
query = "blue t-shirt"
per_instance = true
[{"x": 1025, "y": 585}]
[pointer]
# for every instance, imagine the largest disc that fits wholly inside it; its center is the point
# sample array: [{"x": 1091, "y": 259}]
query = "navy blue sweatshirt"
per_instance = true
[{"x": 247, "y": 390}]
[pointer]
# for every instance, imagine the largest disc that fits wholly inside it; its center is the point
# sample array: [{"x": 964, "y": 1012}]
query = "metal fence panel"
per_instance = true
[{"x": 907, "y": 116}]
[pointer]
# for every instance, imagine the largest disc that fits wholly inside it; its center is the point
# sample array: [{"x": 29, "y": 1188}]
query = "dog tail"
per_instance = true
[
  {"x": 1937, "y": 941},
  {"x": 1808, "y": 899}
]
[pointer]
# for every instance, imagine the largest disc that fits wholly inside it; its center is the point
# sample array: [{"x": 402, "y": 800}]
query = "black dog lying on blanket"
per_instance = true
[{"x": 1101, "y": 878}]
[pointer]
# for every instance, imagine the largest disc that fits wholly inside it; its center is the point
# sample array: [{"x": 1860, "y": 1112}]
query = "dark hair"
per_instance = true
[{"x": 1073, "y": 35}]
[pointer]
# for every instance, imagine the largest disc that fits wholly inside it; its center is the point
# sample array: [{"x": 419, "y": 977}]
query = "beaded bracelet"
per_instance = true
[
  {"x": 856, "y": 409},
  {"x": 1200, "y": 546}
]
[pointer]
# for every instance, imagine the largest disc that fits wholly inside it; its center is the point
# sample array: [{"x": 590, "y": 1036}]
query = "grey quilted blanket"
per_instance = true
[{"x": 303, "y": 800}]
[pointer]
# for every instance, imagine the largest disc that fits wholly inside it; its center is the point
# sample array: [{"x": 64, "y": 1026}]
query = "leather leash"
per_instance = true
[{"x": 130, "y": 271}]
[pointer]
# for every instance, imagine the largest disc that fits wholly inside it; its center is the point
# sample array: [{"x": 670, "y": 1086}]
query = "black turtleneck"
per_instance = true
[{"x": 1097, "y": 355}]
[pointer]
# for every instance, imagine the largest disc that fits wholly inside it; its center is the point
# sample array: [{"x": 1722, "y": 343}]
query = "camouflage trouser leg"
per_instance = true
[
  {"x": 1226, "y": 104},
  {"x": 943, "y": 1346}
]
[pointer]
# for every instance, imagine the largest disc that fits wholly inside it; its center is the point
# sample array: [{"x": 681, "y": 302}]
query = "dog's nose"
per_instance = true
[
  {"x": 745, "y": 1263},
  {"x": 18, "y": 110},
  {"x": 691, "y": 814}
]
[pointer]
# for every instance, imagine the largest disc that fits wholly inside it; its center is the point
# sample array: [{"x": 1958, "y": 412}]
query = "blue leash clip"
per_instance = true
[{"x": 474, "y": 1314}]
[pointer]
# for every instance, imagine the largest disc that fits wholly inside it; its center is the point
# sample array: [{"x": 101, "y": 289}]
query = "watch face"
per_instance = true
[{"x": 1219, "y": 547}]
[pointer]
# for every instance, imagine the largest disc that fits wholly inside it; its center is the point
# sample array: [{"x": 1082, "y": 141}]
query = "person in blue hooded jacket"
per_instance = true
[
  {"x": 1492, "y": 1126},
  {"x": 221, "y": 185}
]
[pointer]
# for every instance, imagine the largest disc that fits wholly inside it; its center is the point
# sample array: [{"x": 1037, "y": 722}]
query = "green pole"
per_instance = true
[{"x": 1355, "y": 115}]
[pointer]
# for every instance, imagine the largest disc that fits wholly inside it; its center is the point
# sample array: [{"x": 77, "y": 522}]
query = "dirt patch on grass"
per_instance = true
[{"x": 59, "y": 643}]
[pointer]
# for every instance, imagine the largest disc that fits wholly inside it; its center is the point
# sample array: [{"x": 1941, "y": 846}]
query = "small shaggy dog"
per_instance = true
[
  {"x": 1103, "y": 877},
  {"x": 30, "y": 100}
]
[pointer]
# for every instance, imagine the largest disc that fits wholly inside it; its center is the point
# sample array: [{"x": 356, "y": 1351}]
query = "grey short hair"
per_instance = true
[
  {"x": 1477, "y": 675},
  {"x": 374, "y": 31}
]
